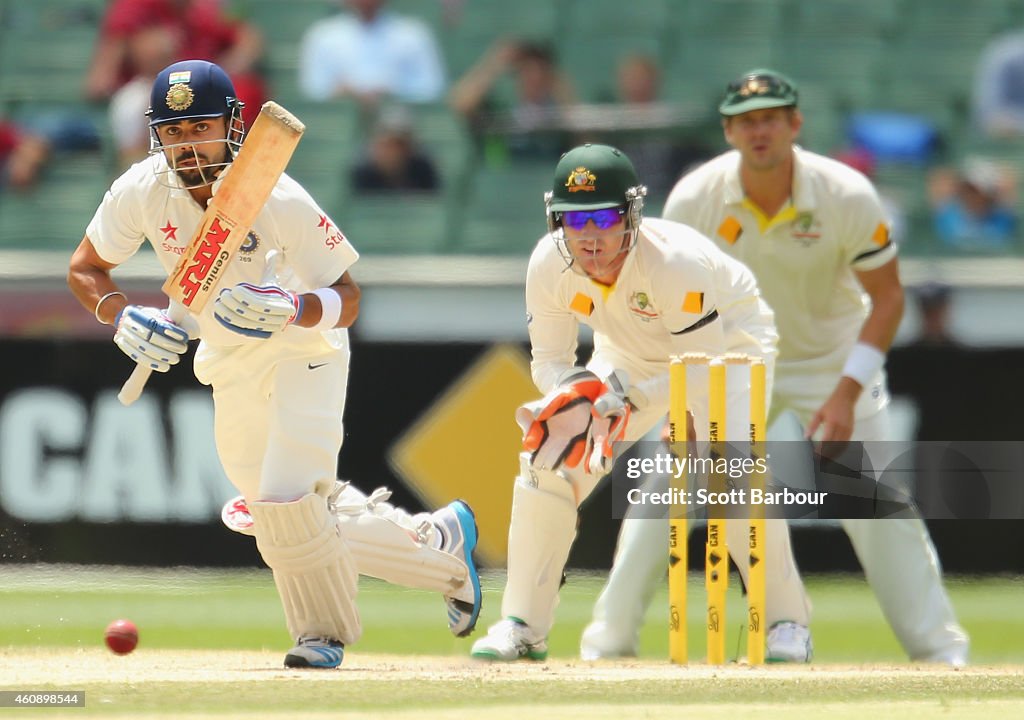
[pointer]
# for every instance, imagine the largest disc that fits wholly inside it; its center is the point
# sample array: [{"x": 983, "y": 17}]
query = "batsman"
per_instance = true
[
  {"x": 649, "y": 289},
  {"x": 274, "y": 348}
]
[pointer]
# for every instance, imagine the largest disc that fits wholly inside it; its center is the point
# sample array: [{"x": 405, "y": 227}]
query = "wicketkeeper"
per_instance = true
[{"x": 650, "y": 289}]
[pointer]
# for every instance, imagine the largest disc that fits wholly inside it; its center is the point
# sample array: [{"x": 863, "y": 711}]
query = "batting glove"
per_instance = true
[
  {"x": 149, "y": 337},
  {"x": 256, "y": 311}
]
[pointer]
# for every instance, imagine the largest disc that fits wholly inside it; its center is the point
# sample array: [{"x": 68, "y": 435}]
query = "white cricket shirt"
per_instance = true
[
  {"x": 138, "y": 208},
  {"x": 676, "y": 293},
  {"x": 804, "y": 259}
]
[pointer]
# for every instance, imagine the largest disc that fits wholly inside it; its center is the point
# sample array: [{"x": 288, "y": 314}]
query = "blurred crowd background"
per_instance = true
[{"x": 455, "y": 110}]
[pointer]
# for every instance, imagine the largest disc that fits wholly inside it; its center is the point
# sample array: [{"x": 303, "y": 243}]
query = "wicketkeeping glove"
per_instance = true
[
  {"x": 256, "y": 310},
  {"x": 150, "y": 338},
  {"x": 610, "y": 416},
  {"x": 556, "y": 427}
]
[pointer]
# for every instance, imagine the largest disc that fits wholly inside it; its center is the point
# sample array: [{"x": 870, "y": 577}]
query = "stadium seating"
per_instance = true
[
  {"x": 327, "y": 150},
  {"x": 611, "y": 33},
  {"x": 848, "y": 56},
  {"x": 284, "y": 24},
  {"x": 405, "y": 223},
  {"x": 504, "y": 209},
  {"x": 54, "y": 216},
  {"x": 45, "y": 48}
]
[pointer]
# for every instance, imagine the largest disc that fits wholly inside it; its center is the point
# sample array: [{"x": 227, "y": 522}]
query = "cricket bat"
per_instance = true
[{"x": 265, "y": 153}]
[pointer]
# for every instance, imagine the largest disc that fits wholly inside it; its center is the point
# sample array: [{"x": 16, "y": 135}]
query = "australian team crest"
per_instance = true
[
  {"x": 581, "y": 179},
  {"x": 806, "y": 229},
  {"x": 640, "y": 305}
]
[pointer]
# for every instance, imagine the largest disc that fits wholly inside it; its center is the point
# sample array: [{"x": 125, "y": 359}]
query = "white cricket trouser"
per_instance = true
[
  {"x": 278, "y": 419},
  {"x": 903, "y": 569}
]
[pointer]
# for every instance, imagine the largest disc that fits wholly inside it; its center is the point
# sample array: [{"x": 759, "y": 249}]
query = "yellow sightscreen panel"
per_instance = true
[{"x": 467, "y": 444}]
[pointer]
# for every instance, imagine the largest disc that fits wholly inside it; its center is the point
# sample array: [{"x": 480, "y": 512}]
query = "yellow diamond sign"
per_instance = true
[{"x": 466, "y": 445}]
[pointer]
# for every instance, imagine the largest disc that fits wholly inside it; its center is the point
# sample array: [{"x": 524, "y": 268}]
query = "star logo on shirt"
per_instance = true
[
  {"x": 326, "y": 224},
  {"x": 170, "y": 232}
]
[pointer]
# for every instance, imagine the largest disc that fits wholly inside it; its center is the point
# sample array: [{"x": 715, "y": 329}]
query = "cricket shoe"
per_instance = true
[
  {"x": 789, "y": 642},
  {"x": 509, "y": 640},
  {"x": 955, "y": 657},
  {"x": 457, "y": 527},
  {"x": 600, "y": 642},
  {"x": 315, "y": 652}
]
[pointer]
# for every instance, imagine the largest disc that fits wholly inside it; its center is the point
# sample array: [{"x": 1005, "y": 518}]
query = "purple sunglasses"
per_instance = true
[{"x": 603, "y": 219}]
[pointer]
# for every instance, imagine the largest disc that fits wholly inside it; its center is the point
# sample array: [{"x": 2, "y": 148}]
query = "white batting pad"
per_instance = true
[
  {"x": 315, "y": 574},
  {"x": 541, "y": 534},
  {"x": 386, "y": 542},
  {"x": 389, "y": 543}
]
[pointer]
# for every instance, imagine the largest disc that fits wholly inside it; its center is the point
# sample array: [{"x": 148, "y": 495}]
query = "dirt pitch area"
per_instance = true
[{"x": 252, "y": 685}]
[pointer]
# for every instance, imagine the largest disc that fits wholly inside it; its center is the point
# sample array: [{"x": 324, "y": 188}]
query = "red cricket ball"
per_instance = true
[{"x": 121, "y": 636}]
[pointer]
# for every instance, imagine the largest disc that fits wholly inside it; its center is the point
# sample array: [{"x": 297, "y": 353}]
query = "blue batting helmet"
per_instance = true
[{"x": 189, "y": 90}]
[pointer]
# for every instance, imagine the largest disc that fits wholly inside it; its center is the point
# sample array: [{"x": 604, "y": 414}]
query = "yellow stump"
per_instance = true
[
  {"x": 717, "y": 555},
  {"x": 678, "y": 530},
  {"x": 756, "y": 579}
]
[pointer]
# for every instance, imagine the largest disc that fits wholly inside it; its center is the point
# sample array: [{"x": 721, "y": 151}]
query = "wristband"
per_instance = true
[
  {"x": 863, "y": 363},
  {"x": 330, "y": 309},
  {"x": 96, "y": 310}
]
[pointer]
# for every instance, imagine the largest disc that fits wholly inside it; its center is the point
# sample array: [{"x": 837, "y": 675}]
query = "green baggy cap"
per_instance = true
[{"x": 757, "y": 90}]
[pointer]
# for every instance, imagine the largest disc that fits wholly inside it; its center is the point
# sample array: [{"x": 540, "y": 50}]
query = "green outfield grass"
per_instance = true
[
  {"x": 239, "y": 609},
  {"x": 212, "y": 643}
]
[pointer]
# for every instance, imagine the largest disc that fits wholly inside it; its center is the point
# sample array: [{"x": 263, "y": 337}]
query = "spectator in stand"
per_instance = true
[
  {"x": 28, "y": 144},
  {"x": 530, "y": 126},
  {"x": 658, "y": 151},
  {"x": 973, "y": 207},
  {"x": 202, "y": 30},
  {"x": 150, "y": 50},
  {"x": 998, "y": 102},
  {"x": 934, "y": 302},
  {"x": 371, "y": 55},
  {"x": 22, "y": 156},
  {"x": 393, "y": 162}
]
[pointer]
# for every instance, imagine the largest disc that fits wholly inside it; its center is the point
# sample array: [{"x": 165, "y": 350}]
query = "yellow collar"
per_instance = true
[
  {"x": 606, "y": 290},
  {"x": 787, "y": 214}
]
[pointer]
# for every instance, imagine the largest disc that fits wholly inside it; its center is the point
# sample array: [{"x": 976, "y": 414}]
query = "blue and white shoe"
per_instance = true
[
  {"x": 457, "y": 526},
  {"x": 315, "y": 652}
]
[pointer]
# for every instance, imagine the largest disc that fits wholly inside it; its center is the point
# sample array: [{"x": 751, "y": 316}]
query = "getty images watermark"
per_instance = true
[
  {"x": 730, "y": 468},
  {"x": 965, "y": 480}
]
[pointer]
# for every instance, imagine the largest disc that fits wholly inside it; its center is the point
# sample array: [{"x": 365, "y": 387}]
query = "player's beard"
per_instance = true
[
  {"x": 196, "y": 168},
  {"x": 193, "y": 176}
]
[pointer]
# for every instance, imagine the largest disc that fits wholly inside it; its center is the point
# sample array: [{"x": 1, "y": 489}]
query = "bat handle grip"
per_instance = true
[{"x": 133, "y": 386}]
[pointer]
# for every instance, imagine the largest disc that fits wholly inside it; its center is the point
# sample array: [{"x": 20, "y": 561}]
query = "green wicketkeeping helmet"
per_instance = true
[
  {"x": 591, "y": 177},
  {"x": 594, "y": 177}
]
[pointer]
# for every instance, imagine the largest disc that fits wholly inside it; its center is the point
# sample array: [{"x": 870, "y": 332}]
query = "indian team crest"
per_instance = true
[
  {"x": 248, "y": 246},
  {"x": 179, "y": 97},
  {"x": 640, "y": 305},
  {"x": 581, "y": 179}
]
